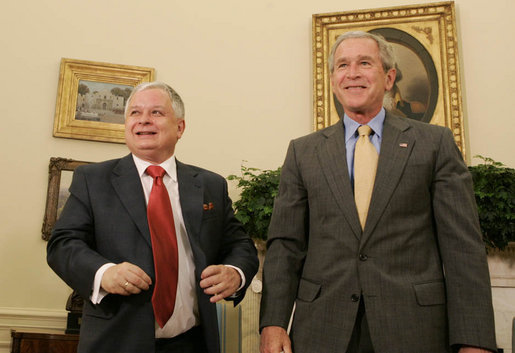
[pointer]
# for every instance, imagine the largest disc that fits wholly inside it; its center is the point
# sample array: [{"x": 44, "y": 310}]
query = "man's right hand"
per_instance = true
[
  {"x": 275, "y": 339},
  {"x": 125, "y": 279}
]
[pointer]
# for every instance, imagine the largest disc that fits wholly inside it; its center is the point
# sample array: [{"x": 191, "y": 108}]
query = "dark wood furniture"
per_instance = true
[{"x": 43, "y": 341}]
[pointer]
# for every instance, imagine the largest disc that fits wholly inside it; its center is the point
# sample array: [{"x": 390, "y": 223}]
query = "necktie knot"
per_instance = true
[
  {"x": 364, "y": 130},
  {"x": 157, "y": 173}
]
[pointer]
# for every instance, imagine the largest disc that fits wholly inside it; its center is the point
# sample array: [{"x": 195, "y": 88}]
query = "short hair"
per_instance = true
[
  {"x": 177, "y": 103},
  {"x": 385, "y": 48}
]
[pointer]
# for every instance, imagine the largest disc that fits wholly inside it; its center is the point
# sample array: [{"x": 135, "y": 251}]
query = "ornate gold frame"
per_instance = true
[
  {"x": 71, "y": 72},
  {"x": 56, "y": 166},
  {"x": 431, "y": 26}
]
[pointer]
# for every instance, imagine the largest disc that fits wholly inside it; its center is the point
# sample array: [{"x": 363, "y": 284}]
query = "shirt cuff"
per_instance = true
[
  {"x": 242, "y": 277},
  {"x": 98, "y": 293}
]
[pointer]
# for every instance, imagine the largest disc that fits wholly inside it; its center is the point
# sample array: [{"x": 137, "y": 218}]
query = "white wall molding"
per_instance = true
[
  {"x": 28, "y": 318},
  {"x": 501, "y": 265}
]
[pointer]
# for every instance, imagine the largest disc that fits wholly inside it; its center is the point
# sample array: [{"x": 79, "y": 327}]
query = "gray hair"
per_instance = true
[
  {"x": 385, "y": 48},
  {"x": 177, "y": 103}
]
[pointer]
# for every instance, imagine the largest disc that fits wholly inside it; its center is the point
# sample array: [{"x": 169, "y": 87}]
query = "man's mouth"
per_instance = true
[
  {"x": 142, "y": 133},
  {"x": 355, "y": 87}
]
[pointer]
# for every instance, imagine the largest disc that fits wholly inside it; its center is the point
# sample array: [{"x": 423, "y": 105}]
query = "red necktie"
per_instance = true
[{"x": 164, "y": 247}]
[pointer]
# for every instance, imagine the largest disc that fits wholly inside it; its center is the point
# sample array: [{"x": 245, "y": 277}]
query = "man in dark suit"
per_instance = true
[
  {"x": 410, "y": 277},
  {"x": 101, "y": 245}
]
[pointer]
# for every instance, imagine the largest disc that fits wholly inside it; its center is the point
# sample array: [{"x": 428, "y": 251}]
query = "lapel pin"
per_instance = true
[{"x": 403, "y": 145}]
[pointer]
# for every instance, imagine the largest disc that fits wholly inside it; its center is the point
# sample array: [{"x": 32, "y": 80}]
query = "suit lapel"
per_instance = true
[
  {"x": 191, "y": 194},
  {"x": 332, "y": 156},
  {"x": 127, "y": 184},
  {"x": 396, "y": 146}
]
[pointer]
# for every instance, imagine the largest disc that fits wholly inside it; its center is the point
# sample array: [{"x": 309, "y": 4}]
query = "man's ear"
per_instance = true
[
  {"x": 181, "y": 126},
  {"x": 390, "y": 79}
]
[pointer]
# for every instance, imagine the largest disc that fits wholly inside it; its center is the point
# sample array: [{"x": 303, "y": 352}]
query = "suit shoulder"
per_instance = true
[
  {"x": 398, "y": 120},
  {"x": 312, "y": 139},
  {"x": 101, "y": 172},
  {"x": 98, "y": 167},
  {"x": 320, "y": 134},
  {"x": 418, "y": 127},
  {"x": 202, "y": 172},
  {"x": 427, "y": 126},
  {"x": 436, "y": 133}
]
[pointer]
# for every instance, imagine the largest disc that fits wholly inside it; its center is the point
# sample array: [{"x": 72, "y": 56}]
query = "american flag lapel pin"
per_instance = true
[{"x": 403, "y": 145}]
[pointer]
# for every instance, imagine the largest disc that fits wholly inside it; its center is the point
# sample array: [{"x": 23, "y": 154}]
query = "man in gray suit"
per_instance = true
[
  {"x": 102, "y": 247},
  {"x": 413, "y": 278}
]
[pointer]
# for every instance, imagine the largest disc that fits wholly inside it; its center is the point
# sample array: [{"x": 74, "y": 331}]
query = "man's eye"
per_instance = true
[
  {"x": 365, "y": 63},
  {"x": 342, "y": 65},
  {"x": 157, "y": 112},
  {"x": 133, "y": 112}
]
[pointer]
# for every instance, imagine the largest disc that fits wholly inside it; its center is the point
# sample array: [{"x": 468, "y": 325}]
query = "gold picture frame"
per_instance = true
[
  {"x": 424, "y": 36},
  {"x": 57, "y": 191},
  {"x": 87, "y": 108}
]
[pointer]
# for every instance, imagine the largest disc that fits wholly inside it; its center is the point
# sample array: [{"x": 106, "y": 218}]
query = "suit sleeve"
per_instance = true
[
  {"x": 70, "y": 250},
  {"x": 469, "y": 302},
  {"x": 286, "y": 245},
  {"x": 237, "y": 248}
]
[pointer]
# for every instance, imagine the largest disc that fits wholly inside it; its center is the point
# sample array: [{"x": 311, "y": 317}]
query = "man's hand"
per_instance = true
[
  {"x": 274, "y": 339},
  {"x": 220, "y": 281},
  {"x": 125, "y": 279}
]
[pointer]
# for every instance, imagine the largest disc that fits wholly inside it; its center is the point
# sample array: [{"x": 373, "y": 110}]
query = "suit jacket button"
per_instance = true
[
  {"x": 354, "y": 297},
  {"x": 363, "y": 257}
]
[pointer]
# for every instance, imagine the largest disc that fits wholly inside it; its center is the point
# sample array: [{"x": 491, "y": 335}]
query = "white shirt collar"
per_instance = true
[
  {"x": 170, "y": 166},
  {"x": 376, "y": 124}
]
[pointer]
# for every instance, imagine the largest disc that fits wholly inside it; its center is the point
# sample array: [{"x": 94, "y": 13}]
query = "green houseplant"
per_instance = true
[
  {"x": 494, "y": 188},
  {"x": 258, "y": 191}
]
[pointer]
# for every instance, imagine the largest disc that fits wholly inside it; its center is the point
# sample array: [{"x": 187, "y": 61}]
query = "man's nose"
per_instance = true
[
  {"x": 353, "y": 71},
  {"x": 145, "y": 118}
]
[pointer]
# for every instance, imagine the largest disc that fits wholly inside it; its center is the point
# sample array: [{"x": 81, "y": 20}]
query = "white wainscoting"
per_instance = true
[
  {"x": 502, "y": 275},
  {"x": 27, "y": 318}
]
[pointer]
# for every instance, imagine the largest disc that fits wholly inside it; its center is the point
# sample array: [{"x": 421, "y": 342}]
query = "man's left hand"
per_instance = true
[{"x": 220, "y": 281}]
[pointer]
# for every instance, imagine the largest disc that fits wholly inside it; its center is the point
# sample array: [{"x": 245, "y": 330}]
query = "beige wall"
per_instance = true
[{"x": 244, "y": 71}]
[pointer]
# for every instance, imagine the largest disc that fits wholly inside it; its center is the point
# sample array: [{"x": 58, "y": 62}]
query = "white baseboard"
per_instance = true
[{"x": 27, "y": 318}]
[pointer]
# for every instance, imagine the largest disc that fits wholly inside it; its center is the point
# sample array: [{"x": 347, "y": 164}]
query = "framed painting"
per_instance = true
[
  {"x": 427, "y": 86},
  {"x": 91, "y": 99},
  {"x": 60, "y": 172}
]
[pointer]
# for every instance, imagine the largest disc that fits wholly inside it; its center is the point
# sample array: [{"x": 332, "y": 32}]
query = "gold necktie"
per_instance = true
[{"x": 365, "y": 166}]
